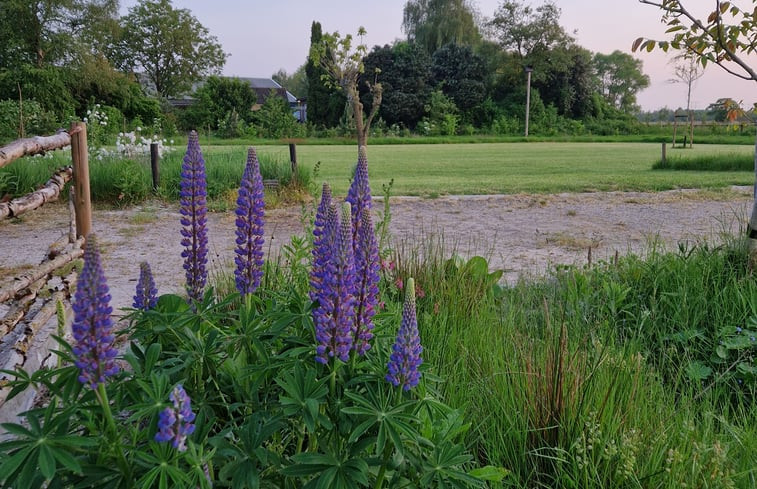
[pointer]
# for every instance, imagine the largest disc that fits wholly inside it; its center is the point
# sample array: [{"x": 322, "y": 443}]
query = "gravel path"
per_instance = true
[{"x": 522, "y": 234}]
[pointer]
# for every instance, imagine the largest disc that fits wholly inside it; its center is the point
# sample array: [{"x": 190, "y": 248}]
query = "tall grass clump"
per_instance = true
[
  {"x": 633, "y": 374},
  {"x": 708, "y": 162}
]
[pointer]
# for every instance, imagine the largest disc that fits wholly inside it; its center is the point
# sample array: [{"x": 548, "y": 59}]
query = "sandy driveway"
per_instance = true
[{"x": 522, "y": 234}]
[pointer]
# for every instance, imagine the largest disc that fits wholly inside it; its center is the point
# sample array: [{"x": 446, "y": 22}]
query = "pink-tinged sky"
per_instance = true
[{"x": 263, "y": 36}]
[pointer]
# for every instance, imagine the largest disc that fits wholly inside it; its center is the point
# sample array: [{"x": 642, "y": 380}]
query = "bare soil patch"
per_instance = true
[{"x": 522, "y": 234}]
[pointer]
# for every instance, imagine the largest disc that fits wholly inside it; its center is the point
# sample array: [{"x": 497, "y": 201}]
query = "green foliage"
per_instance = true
[
  {"x": 431, "y": 24},
  {"x": 404, "y": 71},
  {"x": 35, "y": 120},
  {"x": 296, "y": 83},
  {"x": 325, "y": 102},
  {"x": 215, "y": 100},
  {"x": 274, "y": 119},
  {"x": 458, "y": 72},
  {"x": 268, "y": 415},
  {"x": 170, "y": 45},
  {"x": 442, "y": 115},
  {"x": 620, "y": 78}
]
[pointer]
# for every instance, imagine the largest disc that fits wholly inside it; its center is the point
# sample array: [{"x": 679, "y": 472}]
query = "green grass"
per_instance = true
[
  {"x": 416, "y": 169},
  {"x": 709, "y": 162},
  {"x": 583, "y": 379},
  {"x": 514, "y": 167}
]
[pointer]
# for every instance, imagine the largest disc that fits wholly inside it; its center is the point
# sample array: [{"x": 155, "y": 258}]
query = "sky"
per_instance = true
[{"x": 263, "y": 37}]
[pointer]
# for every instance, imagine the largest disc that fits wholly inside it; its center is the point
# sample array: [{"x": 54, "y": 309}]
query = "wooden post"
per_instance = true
[
  {"x": 664, "y": 152},
  {"x": 293, "y": 160},
  {"x": 80, "y": 158},
  {"x": 154, "y": 158}
]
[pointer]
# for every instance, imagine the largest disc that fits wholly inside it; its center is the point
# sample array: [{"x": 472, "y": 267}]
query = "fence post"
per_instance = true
[
  {"x": 664, "y": 152},
  {"x": 80, "y": 160},
  {"x": 293, "y": 160},
  {"x": 154, "y": 158}
]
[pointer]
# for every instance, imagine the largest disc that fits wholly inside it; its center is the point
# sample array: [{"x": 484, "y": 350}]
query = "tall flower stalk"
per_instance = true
[
  {"x": 193, "y": 198},
  {"x": 250, "y": 214},
  {"x": 175, "y": 422},
  {"x": 92, "y": 326},
  {"x": 367, "y": 268},
  {"x": 321, "y": 245},
  {"x": 359, "y": 194},
  {"x": 146, "y": 296},
  {"x": 334, "y": 316},
  {"x": 406, "y": 352}
]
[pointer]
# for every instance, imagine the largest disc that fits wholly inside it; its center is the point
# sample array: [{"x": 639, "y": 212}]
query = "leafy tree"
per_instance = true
[
  {"x": 296, "y": 83},
  {"x": 432, "y": 24},
  {"x": 726, "y": 37},
  {"x": 274, "y": 119},
  {"x": 565, "y": 79},
  {"x": 459, "y": 72},
  {"x": 170, "y": 45},
  {"x": 405, "y": 71},
  {"x": 527, "y": 30},
  {"x": 216, "y": 99},
  {"x": 344, "y": 66},
  {"x": 45, "y": 32},
  {"x": 620, "y": 79},
  {"x": 325, "y": 101}
]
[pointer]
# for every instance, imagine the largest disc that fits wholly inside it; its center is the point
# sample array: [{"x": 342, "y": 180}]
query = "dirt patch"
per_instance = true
[{"x": 522, "y": 234}]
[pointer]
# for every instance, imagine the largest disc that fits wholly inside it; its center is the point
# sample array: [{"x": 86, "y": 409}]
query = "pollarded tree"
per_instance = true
[
  {"x": 726, "y": 37},
  {"x": 620, "y": 79},
  {"x": 170, "y": 45},
  {"x": 432, "y": 24},
  {"x": 344, "y": 66}
]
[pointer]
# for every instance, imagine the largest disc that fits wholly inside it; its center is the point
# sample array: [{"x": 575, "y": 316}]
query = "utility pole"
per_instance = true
[{"x": 528, "y": 69}]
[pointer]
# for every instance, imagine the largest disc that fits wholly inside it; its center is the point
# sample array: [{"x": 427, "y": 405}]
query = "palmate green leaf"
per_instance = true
[
  {"x": 46, "y": 462},
  {"x": 489, "y": 473},
  {"x": 12, "y": 463},
  {"x": 696, "y": 370}
]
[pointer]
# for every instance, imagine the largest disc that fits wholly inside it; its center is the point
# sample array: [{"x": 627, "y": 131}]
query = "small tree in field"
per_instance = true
[
  {"x": 344, "y": 67},
  {"x": 726, "y": 37}
]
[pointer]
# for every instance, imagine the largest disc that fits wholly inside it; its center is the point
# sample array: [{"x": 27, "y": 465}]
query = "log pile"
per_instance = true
[{"x": 48, "y": 192}]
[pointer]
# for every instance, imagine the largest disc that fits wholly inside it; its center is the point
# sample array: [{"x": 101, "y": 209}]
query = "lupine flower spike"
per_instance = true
[
  {"x": 367, "y": 266},
  {"x": 320, "y": 243},
  {"x": 92, "y": 326},
  {"x": 175, "y": 423},
  {"x": 146, "y": 296},
  {"x": 250, "y": 213},
  {"x": 406, "y": 352},
  {"x": 359, "y": 194},
  {"x": 334, "y": 316},
  {"x": 194, "y": 218}
]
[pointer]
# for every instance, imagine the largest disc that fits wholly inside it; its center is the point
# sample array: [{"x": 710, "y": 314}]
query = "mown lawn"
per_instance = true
[{"x": 485, "y": 168}]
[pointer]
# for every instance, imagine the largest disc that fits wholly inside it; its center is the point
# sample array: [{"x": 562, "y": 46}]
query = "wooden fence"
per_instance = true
[{"x": 28, "y": 302}]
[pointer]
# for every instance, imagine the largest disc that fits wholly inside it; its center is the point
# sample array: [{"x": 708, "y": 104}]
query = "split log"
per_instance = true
[
  {"x": 33, "y": 146},
  {"x": 50, "y": 191},
  {"x": 41, "y": 271},
  {"x": 18, "y": 310}
]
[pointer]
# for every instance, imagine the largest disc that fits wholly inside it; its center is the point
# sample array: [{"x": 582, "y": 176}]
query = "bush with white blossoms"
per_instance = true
[{"x": 131, "y": 144}]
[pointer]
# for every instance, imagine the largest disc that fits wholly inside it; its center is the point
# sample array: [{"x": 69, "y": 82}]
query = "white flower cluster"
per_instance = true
[
  {"x": 131, "y": 144},
  {"x": 96, "y": 117}
]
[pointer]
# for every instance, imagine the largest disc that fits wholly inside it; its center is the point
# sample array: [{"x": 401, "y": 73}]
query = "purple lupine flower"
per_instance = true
[
  {"x": 406, "y": 352},
  {"x": 359, "y": 194},
  {"x": 367, "y": 268},
  {"x": 250, "y": 213},
  {"x": 146, "y": 296},
  {"x": 92, "y": 326},
  {"x": 334, "y": 316},
  {"x": 320, "y": 244},
  {"x": 194, "y": 218},
  {"x": 175, "y": 422}
]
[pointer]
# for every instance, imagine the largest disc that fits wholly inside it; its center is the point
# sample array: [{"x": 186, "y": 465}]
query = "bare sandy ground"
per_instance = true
[{"x": 522, "y": 234}]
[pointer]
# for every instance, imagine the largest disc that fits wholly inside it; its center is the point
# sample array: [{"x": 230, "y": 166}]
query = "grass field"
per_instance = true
[
  {"x": 429, "y": 170},
  {"x": 426, "y": 170}
]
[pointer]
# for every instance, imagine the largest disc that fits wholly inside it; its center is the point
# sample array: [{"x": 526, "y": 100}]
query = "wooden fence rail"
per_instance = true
[{"x": 28, "y": 302}]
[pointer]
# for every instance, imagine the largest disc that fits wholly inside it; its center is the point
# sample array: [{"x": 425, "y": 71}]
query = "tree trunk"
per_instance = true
[{"x": 752, "y": 228}]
